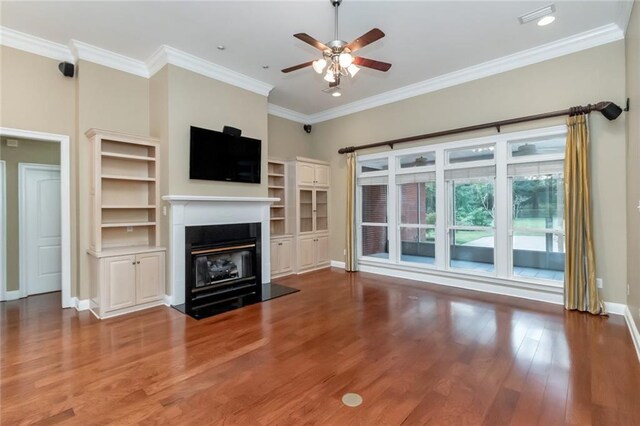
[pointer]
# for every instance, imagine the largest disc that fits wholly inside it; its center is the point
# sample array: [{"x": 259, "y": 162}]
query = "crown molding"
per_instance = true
[
  {"x": 97, "y": 55},
  {"x": 289, "y": 114},
  {"x": 572, "y": 44},
  {"x": 169, "y": 55},
  {"x": 624, "y": 14},
  {"x": 35, "y": 45}
]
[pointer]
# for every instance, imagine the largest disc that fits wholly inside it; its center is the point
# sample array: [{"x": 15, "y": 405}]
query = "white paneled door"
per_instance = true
[{"x": 40, "y": 230}]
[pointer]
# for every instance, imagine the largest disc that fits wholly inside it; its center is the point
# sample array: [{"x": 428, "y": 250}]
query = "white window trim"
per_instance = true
[{"x": 502, "y": 229}]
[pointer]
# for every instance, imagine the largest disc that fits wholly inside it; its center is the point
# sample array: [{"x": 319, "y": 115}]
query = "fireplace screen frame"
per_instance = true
[{"x": 214, "y": 298}]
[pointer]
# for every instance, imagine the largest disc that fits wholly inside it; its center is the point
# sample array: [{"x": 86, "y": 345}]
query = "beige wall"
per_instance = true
[
  {"x": 588, "y": 76},
  {"x": 107, "y": 99},
  {"x": 35, "y": 96},
  {"x": 27, "y": 152},
  {"x": 633, "y": 162},
  {"x": 203, "y": 102},
  {"x": 287, "y": 139}
]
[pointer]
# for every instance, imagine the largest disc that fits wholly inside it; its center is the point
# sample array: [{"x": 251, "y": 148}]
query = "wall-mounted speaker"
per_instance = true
[
  {"x": 307, "y": 128},
  {"x": 66, "y": 68},
  {"x": 228, "y": 130}
]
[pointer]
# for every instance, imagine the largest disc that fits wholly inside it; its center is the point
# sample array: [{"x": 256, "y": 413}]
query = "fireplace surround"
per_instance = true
[{"x": 193, "y": 210}]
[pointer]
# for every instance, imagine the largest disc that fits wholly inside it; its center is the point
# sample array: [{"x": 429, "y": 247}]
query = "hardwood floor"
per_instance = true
[{"x": 418, "y": 354}]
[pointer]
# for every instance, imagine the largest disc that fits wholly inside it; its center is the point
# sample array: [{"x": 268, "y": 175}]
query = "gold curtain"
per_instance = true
[
  {"x": 581, "y": 291},
  {"x": 351, "y": 261}
]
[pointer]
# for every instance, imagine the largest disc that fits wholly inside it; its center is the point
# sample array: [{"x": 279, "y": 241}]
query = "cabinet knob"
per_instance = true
[
  {"x": 133, "y": 263},
  {"x": 138, "y": 262},
  {"x": 279, "y": 244}
]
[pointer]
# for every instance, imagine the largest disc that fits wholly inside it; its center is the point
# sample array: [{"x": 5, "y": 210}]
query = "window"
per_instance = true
[
  {"x": 472, "y": 219},
  {"x": 537, "y": 221},
  {"x": 374, "y": 221},
  {"x": 417, "y": 194},
  {"x": 492, "y": 206}
]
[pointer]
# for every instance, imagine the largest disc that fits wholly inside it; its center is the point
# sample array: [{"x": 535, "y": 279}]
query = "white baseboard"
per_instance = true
[
  {"x": 166, "y": 300},
  {"x": 11, "y": 295},
  {"x": 615, "y": 308},
  {"x": 80, "y": 304},
  {"x": 635, "y": 335},
  {"x": 337, "y": 264}
]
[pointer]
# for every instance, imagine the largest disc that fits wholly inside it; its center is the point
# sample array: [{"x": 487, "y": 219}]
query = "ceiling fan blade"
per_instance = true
[
  {"x": 365, "y": 39},
  {"x": 310, "y": 40},
  {"x": 371, "y": 63},
  {"x": 297, "y": 67}
]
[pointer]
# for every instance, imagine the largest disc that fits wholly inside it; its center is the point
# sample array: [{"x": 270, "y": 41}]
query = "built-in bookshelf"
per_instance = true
[
  {"x": 277, "y": 180},
  {"x": 124, "y": 191}
]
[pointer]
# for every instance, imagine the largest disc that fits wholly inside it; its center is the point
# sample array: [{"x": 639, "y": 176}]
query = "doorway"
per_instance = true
[
  {"x": 53, "y": 244},
  {"x": 39, "y": 227}
]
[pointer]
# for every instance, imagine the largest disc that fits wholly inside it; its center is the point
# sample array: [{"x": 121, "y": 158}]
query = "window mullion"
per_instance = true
[
  {"x": 441, "y": 212},
  {"x": 501, "y": 213}
]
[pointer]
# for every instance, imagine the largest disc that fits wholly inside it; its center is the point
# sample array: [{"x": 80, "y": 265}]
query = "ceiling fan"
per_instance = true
[{"x": 337, "y": 56}]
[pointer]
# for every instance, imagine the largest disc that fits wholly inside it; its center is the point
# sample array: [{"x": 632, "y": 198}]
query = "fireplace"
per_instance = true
[{"x": 223, "y": 268}]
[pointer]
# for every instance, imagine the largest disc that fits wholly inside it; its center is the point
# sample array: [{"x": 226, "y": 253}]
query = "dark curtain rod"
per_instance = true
[{"x": 610, "y": 110}]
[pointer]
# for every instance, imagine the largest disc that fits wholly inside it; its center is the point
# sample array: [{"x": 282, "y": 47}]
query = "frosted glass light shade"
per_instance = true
[
  {"x": 329, "y": 77},
  {"x": 353, "y": 70},
  {"x": 345, "y": 60},
  {"x": 318, "y": 66}
]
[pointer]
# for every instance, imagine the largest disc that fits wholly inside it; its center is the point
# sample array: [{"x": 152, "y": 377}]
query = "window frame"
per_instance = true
[
  {"x": 503, "y": 254},
  {"x": 401, "y": 225}
]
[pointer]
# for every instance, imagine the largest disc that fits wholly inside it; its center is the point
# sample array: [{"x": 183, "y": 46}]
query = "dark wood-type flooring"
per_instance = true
[{"x": 418, "y": 354}]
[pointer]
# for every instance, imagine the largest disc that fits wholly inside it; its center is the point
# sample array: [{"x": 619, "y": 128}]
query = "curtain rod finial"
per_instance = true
[{"x": 347, "y": 150}]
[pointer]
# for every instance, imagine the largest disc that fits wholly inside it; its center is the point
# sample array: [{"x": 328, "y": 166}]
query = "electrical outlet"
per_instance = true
[
  {"x": 344, "y": 252},
  {"x": 164, "y": 210},
  {"x": 599, "y": 282},
  {"x": 129, "y": 228},
  {"x": 12, "y": 143},
  {"x": 628, "y": 290}
]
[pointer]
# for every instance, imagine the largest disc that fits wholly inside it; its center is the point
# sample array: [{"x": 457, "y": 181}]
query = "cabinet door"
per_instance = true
[
  {"x": 286, "y": 255},
  {"x": 305, "y": 208},
  {"x": 321, "y": 174},
  {"x": 322, "y": 251},
  {"x": 306, "y": 253},
  {"x": 275, "y": 257},
  {"x": 321, "y": 210},
  {"x": 305, "y": 174},
  {"x": 149, "y": 277},
  {"x": 120, "y": 282}
]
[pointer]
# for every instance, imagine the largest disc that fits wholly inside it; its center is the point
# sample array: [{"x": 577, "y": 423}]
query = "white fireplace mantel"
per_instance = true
[{"x": 197, "y": 210}]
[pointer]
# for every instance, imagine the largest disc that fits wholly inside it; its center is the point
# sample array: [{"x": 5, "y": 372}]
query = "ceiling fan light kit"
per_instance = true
[{"x": 337, "y": 55}]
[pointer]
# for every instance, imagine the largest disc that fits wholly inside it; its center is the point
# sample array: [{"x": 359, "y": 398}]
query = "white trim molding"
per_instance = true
[
  {"x": 65, "y": 199},
  {"x": 615, "y": 308},
  {"x": 289, "y": 114},
  {"x": 337, "y": 264},
  {"x": 3, "y": 231},
  {"x": 36, "y": 45},
  {"x": 87, "y": 52},
  {"x": 635, "y": 335},
  {"x": 572, "y": 44},
  {"x": 81, "y": 304},
  {"x": 169, "y": 55}
]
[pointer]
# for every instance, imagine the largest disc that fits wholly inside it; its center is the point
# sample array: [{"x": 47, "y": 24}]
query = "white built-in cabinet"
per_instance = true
[
  {"x": 310, "y": 184},
  {"x": 300, "y": 220},
  {"x": 127, "y": 267}
]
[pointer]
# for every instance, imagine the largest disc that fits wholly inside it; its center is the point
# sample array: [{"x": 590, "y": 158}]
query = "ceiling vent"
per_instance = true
[{"x": 537, "y": 14}]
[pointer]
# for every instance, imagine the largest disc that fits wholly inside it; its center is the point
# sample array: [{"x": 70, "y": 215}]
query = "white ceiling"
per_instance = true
[{"x": 424, "y": 39}]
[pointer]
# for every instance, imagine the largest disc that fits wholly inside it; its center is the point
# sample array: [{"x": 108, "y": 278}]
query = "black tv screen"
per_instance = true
[{"x": 218, "y": 156}]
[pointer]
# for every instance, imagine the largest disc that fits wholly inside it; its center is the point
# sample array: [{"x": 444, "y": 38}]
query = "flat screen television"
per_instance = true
[{"x": 219, "y": 156}]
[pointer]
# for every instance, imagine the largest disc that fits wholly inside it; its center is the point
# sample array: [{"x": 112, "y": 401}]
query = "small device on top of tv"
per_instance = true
[{"x": 223, "y": 157}]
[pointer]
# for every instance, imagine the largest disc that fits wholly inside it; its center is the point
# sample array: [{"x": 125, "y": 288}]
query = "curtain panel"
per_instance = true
[{"x": 581, "y": 291}]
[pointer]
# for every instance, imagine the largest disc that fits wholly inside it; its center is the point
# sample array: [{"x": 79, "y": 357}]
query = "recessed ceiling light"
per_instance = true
[
  {"x": 265, "y": 67},
  {"x": 546, "y": 20},
  {"x": 221, "y": 47},
  {"x": 336, "y": 94}
]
